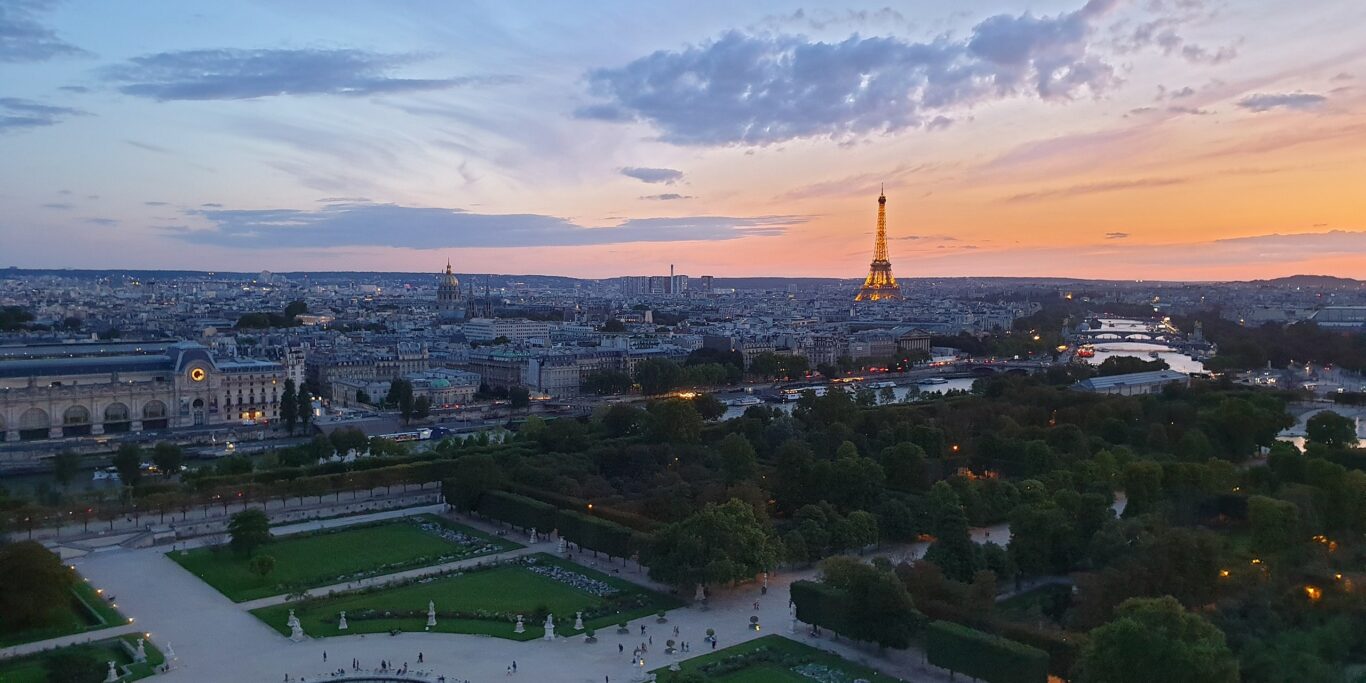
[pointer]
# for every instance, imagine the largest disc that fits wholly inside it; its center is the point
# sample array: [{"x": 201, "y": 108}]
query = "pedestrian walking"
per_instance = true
[
  {"x": 620, "y": 648},
  {"x": 514, "y": 666},
  {"x": 324, "y": 655},
  {"x": 419, "y": 658}
]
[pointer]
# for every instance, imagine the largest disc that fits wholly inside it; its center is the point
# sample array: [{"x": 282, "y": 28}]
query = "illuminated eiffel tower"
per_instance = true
[{"x": 881, "y": 284}]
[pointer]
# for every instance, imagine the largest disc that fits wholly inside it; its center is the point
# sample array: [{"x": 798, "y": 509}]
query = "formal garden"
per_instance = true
[
  {"x": 85, "y": 663},
  {"x": 771, "y": 659},
  {"x": 484, "y": 600},
  {"x": 309, "y": 560},
  {"x": 87, "y": 610}
]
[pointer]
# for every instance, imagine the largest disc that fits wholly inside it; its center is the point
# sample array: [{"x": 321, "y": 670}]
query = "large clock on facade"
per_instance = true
[{"x": 198, "y": 374}]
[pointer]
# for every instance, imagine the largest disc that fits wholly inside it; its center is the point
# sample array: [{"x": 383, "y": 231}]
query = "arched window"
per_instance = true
[
  {"x": 153, "y": 410},
  {"x": 116, "y": 418},
  {"x": 76, "y": 415},
  {"x": 34, "y": 424}
]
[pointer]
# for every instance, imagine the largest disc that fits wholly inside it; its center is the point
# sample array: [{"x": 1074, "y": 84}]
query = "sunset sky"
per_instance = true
[{"x": 1154, "y": 139}]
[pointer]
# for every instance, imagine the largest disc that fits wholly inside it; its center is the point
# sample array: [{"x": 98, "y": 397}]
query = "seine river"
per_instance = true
[{"x": 1176, "y": 360}]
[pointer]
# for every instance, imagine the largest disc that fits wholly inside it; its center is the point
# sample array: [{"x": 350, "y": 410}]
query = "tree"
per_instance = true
[
  {"x": 1155, "y": 639},
  {"x": 422, "y": 407},
  {"x": 877, "y": 607},
  {"x": 305, "y": 409},
  {"x": 1275, "y": 524},
  {"x": 708, "y": 406},
  {"x": 65, "y": 466},
  {"x": 128, "y": 461},
  {"x": 657, "y": 375},
  {"x": 167, "y": 457},
  {"x": 401, "y": 396},
  {"x": 718, "y": 544},
  {"x": 471, "y": 477},
  {"x": 1123, "y": 365},
  {"x": 1331, "y": 429},
  {"x": 343, "y": 440},
  {"x": 295, "y": 309},
  {"x": 952, "y": 549},
  {"x": 36, "y": 585},
  {"x": 607, "y": 382},
  {"x": 249, "y": 530},
  {"x": 289, "y": 406},
  {"x": 362, "y": 396},
  {"x": 737, "y": 458},
  {"x": 519, "y": 397},
  {"x": 675, "y": 421},
  {"x": 613, "y": 326},
  {"x": 262, "y": 565}
]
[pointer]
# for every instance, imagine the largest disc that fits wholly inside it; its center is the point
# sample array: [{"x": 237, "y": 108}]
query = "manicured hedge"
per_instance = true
[
  {"x": 518, "y": 510},
  {"x": 594, "y": 534},
  {"x": 1063, "y": 647},
  {"x": 983, "y": 656},
  {"x": 820, "y": 604}
]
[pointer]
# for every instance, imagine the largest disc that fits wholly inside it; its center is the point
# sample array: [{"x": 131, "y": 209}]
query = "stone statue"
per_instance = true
[
  {"x": 140, "y": 655},
  {"x": 520, "y": 627},
  {"x": 341, "y": 623},
  {"x": 578, "y": 621},
  {"x": 113, "y": 674},
  {"x": 431, "y": 614},
  {"x": 533, "y": 539},
  {"x": 549, "y": 627}
]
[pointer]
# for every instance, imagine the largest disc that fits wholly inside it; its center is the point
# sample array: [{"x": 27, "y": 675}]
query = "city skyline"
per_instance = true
[{"x": 1163, "y": 139}]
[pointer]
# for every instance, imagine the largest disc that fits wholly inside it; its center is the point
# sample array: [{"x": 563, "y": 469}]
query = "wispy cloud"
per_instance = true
[
  {"x": 233, "y": 74},
  {"x": 761, "y": 89},
  {"x": 1261, "y": 102},
  {"x": 667, "y": 196},
  {"x": 667, "y": 176},
  {"x": 23, "y": 38},
  {"x": 1116, "y": 235},
  {"x": 1094, "y": 188},
  {"x": 339, "y": 225},
  {"x": 18, "y": 114}
]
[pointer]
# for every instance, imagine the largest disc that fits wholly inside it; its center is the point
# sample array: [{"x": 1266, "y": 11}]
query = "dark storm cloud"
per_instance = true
[
  {"x": 17, "y": 113},
  {"x": 1261, "y": 102},
  {"x": 668, "y": 176},
  {"x": 389, "y": 225},
  {"x": 25, "y": 39},
  {"x": 231, "y": 74},
  {"x": 764, "y": 89}
]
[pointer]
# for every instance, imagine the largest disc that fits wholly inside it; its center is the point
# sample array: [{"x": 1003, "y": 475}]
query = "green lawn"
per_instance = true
[
  {"x": 332, "y": 556},
  {"x": 33, "y": 668},
  {"x": 773, "y": 659},
  {"x": 87, "y": 611},
  {"x": 478, "y": 602}
]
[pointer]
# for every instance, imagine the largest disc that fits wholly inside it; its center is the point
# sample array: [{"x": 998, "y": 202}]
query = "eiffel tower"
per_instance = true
[{"x": 881, "y": 284}]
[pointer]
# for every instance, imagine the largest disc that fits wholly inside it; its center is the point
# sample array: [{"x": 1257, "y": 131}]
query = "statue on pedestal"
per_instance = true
[
  {"x": 549, "y": 627},
  {"x": 578, "y": 621},
  {"x": 341, "y": 624},
  {"x": 431, "y": 614},
  {"x": 520, "y": 627}
]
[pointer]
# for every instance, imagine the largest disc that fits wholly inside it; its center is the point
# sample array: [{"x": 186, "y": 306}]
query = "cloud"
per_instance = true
[
  {"x": 211, "y": 205},
  {"x": 743, "y": 89},
  {"x": 59, "y": 206},
  {"x": 342, "y": 225},
  {"x": 1116, "y": 235},
  {"x": 18, "y": 114},
  {"x": 1341, "y": 76},
  {"x": 1163, "y": 33},
  {"x": 78, "y": 89},
  {"x": 1261, "y": 102},
  {"x": 667, "y": 176},
  {"x": 667, "y": 196},
  {"x": 1094, "y": 188},
  {"x": 106, "y": 222},
  {"x": 156, "y": 203},
  {"x": 24, "y": 39},
  {"x": 148, "y": 146},
  {"x": 231, "y": 74},
  {"x": 1193, "y": 111}
]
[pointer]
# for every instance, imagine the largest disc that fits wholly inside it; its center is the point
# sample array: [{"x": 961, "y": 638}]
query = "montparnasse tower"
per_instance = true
[{"x": 880, "y": 284}]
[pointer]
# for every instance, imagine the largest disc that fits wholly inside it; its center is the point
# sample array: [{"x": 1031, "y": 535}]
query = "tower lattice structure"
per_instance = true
[{"x": 880, "y": 283}]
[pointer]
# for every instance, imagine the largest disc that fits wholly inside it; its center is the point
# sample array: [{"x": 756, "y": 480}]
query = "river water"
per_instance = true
[{"x": 1176, "y": 360}]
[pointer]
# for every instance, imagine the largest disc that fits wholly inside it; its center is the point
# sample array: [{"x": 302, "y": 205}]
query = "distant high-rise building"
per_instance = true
[
  {"x": 880, "y": 284},
  {"x": 678, "y": 285},
  {"x": 706, "y": 284},
  {"x": 450, "y": 304},
  {"x": 659, "y": 284}
]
